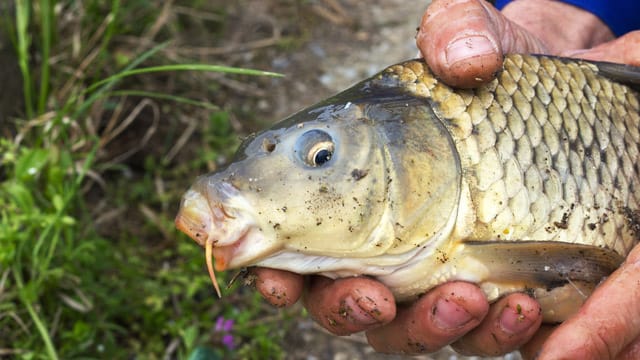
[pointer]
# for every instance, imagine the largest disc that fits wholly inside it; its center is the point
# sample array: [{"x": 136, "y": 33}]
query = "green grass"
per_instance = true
[{"x": 90, "y": 263}]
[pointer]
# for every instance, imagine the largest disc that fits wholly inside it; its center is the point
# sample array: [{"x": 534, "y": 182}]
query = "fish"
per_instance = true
[{"x": 529, "y": 183}]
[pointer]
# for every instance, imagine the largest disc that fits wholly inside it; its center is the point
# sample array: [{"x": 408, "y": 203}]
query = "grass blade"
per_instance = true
[
  {"x": 107, "y": 85},
  {"x": 185, "y": 67},
  {"x": 22, "y": 24},
  {"x": 46, "y": 10},
  {"x": 163, "y": 96},
  {"x": 42, "y": 329}
]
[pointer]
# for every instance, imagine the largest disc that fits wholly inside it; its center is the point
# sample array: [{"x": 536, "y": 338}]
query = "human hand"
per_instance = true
[{"x": 454, "y": 312}]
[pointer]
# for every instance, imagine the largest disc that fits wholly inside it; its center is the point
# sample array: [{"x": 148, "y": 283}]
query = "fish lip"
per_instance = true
[
  {"x": 195, "y": 218},
  {"x": 218, "y": 216},
  {"x": 205, "y": 214}
]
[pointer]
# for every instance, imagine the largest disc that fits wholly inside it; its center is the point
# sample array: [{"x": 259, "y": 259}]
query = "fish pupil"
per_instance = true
[{"x": 322, "y": 156}]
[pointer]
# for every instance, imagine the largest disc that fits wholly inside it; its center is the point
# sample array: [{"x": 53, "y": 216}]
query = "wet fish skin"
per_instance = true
[{"x": 527, "y": 183}]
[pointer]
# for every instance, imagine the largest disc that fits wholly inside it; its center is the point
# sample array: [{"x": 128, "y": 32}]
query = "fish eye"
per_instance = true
[
  {"x": 315, "y": 147},
  {"x": 320, "y": 154}
]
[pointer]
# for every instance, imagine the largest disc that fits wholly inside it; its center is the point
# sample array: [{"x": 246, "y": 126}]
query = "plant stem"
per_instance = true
[
  {"x": 46, "y": 16},
  {"x": 22, "y": 22},
  {"x": 42, "y": 329}
]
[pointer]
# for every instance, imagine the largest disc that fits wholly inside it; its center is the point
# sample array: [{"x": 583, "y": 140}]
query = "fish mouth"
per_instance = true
[{"x": 221, "y": 229}]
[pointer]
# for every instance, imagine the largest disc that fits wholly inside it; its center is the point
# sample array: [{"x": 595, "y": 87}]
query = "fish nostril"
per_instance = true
[{"x": 268, "y": 145}]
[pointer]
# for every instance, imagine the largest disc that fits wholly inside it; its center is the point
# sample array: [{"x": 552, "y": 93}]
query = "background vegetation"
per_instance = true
[{"x": 94, "y": 157}]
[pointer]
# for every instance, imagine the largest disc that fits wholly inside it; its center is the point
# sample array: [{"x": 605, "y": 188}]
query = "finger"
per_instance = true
[
  {"x": 608, "y": 321},
  {"x": 547, "y": 21},
  {"x": 531, "y": 349},
  {"x": 512, "y": 321},
  {"x": 631, "y": 352},
  {"x": 436, "y": 319},
  {"x": 623, "y": 50},
  {"x": 349, "y": 305},
  {"x": 280, "y": 288},
  {"x": 463, "y": 41}
]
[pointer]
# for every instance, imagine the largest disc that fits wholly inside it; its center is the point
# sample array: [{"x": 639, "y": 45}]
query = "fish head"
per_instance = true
[
  {"x": 356, "y": 184},
  {"x": 312, "y": 184}
]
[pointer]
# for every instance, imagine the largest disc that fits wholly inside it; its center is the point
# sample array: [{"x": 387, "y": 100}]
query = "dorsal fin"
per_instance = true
[
  {"x": 628, "y": 75},
  {"x": 625, "y": 74}
]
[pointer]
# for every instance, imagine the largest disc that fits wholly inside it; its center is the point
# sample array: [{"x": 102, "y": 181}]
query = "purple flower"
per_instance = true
[
  {"x": 225, "y": 326},
  {"x": 227, "y": 340}
]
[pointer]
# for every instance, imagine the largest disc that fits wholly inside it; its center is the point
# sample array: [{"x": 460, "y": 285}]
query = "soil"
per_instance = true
[{"x": 321, "y": 47}]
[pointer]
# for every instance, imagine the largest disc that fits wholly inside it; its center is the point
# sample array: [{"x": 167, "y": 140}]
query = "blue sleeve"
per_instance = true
[{"x": 621, "y": 16}]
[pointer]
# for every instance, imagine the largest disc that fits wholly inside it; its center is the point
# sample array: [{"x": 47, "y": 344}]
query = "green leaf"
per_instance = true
[
  {"x": 68, "y": 220},
  {"x": 30, "y": 163},
  {"x": 58, "y": 202},
  {"x": 21, "y": 196},
  {"x": 189, "y": 336}
]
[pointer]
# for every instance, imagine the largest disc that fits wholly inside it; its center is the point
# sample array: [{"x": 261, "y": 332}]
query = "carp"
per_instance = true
[{"x": 528, "y": 183}]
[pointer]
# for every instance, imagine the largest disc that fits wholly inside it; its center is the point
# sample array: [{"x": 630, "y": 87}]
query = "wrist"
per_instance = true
[{"x": 560, "y": 26}]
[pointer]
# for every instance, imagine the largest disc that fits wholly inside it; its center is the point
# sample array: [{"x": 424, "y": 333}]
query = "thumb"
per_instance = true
[{"x": 463, "y": 41}]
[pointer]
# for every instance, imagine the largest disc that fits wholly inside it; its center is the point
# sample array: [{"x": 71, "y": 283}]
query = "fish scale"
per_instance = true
[{"x": 533, "y": 159}]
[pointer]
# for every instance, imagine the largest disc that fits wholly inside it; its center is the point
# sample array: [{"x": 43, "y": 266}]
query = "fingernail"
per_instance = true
[
  {"x": 469, "y": 47},
  {"x": 512, "y": 320},
  {"x": 449, "y": 315},
  {"x": 360, "y": 311}
]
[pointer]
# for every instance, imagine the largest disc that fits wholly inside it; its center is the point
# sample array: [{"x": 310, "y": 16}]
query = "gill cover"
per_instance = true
[{"x": 424, "y": 173}]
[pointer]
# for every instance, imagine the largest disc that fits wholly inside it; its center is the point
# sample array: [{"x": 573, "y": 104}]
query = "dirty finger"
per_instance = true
[
  {"x": 438, "y": 318},
  {"x": 349, "y": 305}
]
